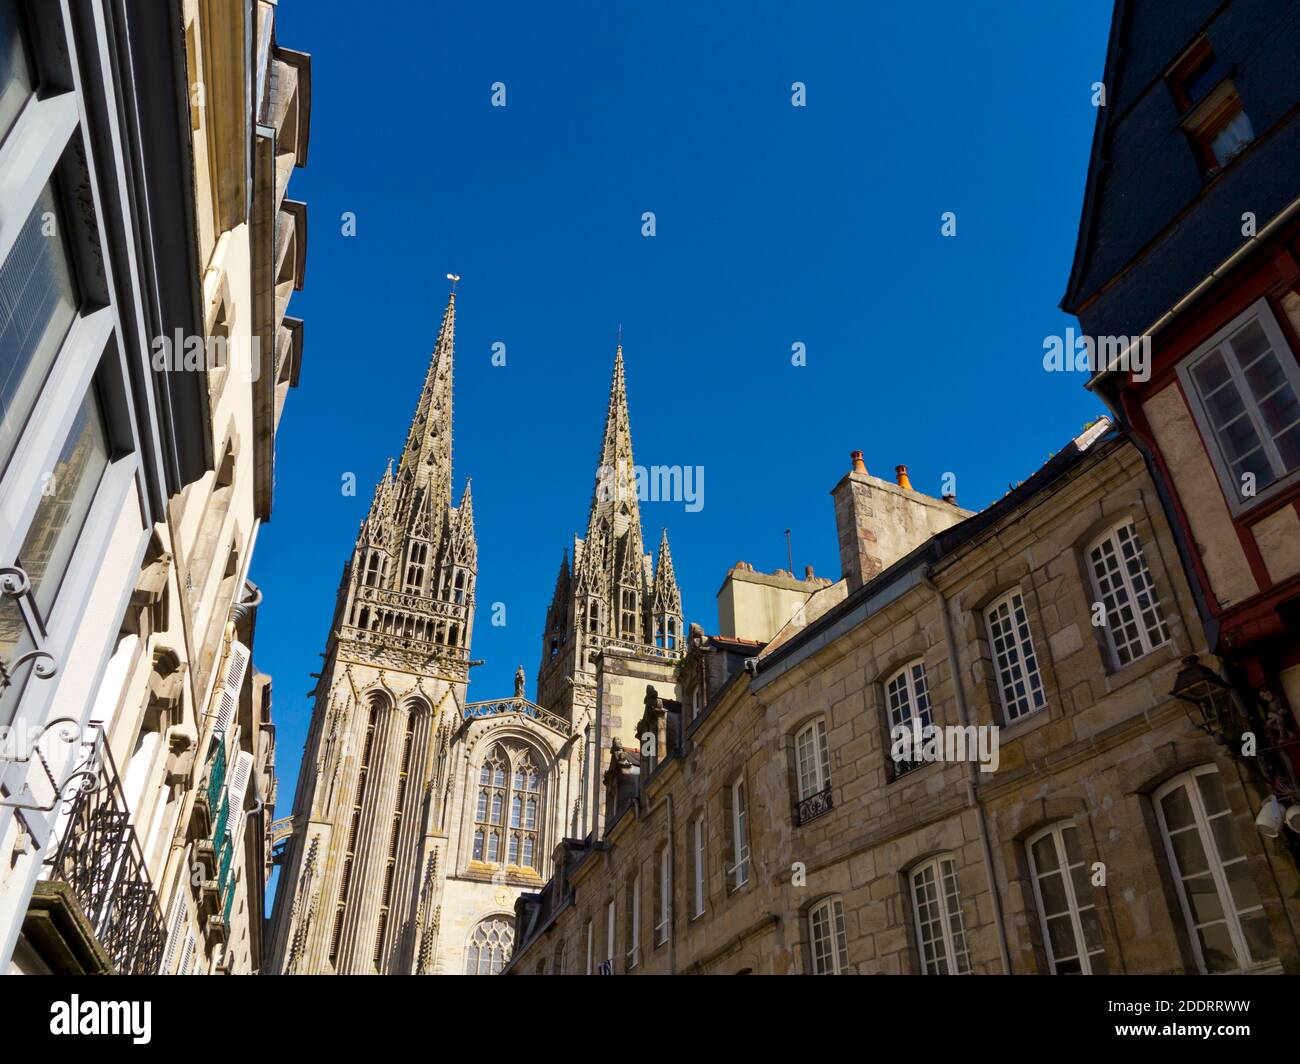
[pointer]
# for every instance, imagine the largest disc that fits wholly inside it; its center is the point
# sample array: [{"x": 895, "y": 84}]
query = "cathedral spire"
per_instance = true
[
  {"x": 426, "y": 458},
  {"x": 615, "y": 496}
]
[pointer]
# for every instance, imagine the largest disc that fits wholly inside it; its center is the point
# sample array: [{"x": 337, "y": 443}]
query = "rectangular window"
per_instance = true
[
  {"x": 1244, "y": 386},
  {"x": 908, "y": 697},
  {"x": 1135, "y": 624},
  {"x": 827, "y": 939},
  {"x": 1213, "y": 117},
  {"x": 17, "y": 78},
  {"x": 1071, "y": 928},
  {"x": 738, "y": 829},
  {"x": 633, "y": 922},
  {"x": 589, "y": 934},
  {"x": 940, "y": 932},
  {"x": 1224, "y": 914},
  {"x": 1019, "y": 682},
  {"x": 812, "y": 759},
  {"x": 46, "y": 551},
  {"x": 697, "y": 867},
  {"x": 37, "y": 304},
  {"x": 664, "y": 909}
]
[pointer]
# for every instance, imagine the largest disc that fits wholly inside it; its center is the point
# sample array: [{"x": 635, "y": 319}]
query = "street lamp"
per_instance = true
[{"x": 1205, "y": 689}]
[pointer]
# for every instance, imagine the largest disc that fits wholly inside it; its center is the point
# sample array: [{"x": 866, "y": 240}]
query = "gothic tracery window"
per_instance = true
[
  {"x": 519, "y": 830},
  {"x": 489, "y": 946}
]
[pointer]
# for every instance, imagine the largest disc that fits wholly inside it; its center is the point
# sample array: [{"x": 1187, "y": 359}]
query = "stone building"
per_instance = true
[
  {"x": 1187, "y": 271},
  {"x": 963, "y": 757},
  {"x": 420, "y": 816},
  {"x": 175, "y": 748}
]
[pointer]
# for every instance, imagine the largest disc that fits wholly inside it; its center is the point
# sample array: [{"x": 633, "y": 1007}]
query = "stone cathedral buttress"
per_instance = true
[{"x": 420, "y": 816}]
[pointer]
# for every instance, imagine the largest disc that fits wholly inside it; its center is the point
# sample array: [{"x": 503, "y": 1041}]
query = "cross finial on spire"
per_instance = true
[
  {"x": 453, "y": 278},
  {"x": 620, "y": 336}
]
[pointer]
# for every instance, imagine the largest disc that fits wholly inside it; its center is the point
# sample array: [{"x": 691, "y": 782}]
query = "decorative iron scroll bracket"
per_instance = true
[
  {"x": 17, "y": 585},
  {"x": 83, "y": 778}
]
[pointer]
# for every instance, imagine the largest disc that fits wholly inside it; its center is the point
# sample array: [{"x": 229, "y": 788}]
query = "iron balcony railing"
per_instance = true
[
  {"x": 813, "y": 806},
  {"x": 100, "y": 859}
]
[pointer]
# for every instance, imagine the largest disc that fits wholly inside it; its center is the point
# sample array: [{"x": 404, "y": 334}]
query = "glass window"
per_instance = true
[
  {"x": 17, "y": 79},
  {"x": 1135, "y": 623},
  {"x": 739, "y": 831},
  {"x": 1247, "y": 388},
  {"x": 940, "y": 932},
  {"x": 1221, "y": 904},
  {"x": 1019, "y": 682},
  {"x": 697, "y": 866},
  {"x": 489, "y": 947},
  {"x": 66, "y": 495},
  {"x": 813, "y": 759},
  {"x": 909, "y": 712},
  {"x": 1071, "y": 928},
  {"x": 826, "y": 936},
  {"x": 37, "y": 305}
]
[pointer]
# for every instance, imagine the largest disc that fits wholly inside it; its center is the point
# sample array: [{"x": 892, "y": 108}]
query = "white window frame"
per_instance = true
[
  {"x": 952, "y": 924},
  {"x": 634, "y": 922},
  {"x": 738, "y": 873},
  {"x": 1023, "y": 649},
  {"x": 834, "y": 959},
  {"x": 610, "y": 929},
  {"x": 1146, "y": 642},
  {"x": 916, "y": 692},
  {"x": 1217, "y": 866},
  {"x": 813, "y": 772},
  {"x": 700, "y": 851},
  {"x": 1075, "y": 906},
  {"x": 33, "y": 152},
  {"x": 1259, "y": 311},
  {"x": 664, "y": 917}
]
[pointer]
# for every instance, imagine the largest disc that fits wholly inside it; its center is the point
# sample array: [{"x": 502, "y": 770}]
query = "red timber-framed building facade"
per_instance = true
[{"x": 1187, "y": 271}]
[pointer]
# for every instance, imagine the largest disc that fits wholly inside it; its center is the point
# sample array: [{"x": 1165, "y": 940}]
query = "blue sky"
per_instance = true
[{"x": 775, "y": 225}]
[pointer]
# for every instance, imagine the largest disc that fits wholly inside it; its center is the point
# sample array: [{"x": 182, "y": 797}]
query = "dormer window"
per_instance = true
[{"x": 1213, "y": 117}]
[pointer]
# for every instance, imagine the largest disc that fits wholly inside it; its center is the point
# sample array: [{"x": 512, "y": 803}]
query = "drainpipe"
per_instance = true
[{"x": 972, "y": 792}]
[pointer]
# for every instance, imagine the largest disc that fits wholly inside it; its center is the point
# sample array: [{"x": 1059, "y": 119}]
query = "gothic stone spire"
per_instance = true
[
  {"x": 424, "y": 472},
  {"x": 614, "y": 500}
]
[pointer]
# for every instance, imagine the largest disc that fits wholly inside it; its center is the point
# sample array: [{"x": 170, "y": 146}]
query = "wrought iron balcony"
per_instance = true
[
  {"x": 100, "y": 859},
  {"x": 815, "y": 805}
]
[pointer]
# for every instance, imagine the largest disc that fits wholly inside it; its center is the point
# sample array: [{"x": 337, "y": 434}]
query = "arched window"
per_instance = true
[
  {"x": 508, "y": 810},
  {"x": 490, "y": 810},
  {"x": 1220, "y": 901},
  {"x": 1063, "y": 890},
  {"x": 489, "y": 946},
  {"x": 908, "y": 697},
  {"x": 826, "y": 937},
  {"x": 1019, "y": 682},
  {"x": 936, "y": 907}
]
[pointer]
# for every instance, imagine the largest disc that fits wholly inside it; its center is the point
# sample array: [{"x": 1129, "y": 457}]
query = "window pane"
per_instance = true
[
  {"x": 65, "y": 502},
  {"x": 37, "y": 304},
  {"x": 16, "y": 77}
]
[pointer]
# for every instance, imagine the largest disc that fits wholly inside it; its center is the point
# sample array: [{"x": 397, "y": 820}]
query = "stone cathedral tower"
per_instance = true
[
  {"x": 615, "y": 620},
  {"x": 420, "y": 816}
]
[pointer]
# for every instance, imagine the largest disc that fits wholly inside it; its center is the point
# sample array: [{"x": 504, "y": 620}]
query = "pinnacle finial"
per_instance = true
[{"x": 453, "y": 278}]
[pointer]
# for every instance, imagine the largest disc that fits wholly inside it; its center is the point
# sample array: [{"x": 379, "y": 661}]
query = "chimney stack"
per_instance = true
[{"x": 900, "y": 474}]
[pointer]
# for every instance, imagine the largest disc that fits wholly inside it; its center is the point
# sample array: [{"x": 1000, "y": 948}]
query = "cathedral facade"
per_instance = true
[{"x": 420, "y": 816}]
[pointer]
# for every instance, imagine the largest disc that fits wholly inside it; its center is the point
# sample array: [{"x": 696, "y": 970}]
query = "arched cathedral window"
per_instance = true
[
  {"x": 519, "y": 829},
  {"x": 490, "y": 812},
  {"x": 489, "y": 947}
]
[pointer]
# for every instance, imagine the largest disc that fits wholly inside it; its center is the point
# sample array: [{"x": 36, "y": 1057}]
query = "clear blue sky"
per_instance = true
[{"x": 775, "y": 225}]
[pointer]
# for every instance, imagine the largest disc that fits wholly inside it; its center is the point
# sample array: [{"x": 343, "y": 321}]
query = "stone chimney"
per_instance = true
[{"x": 879, "y": 522}]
